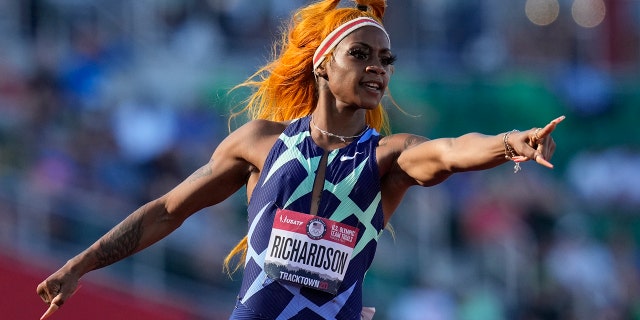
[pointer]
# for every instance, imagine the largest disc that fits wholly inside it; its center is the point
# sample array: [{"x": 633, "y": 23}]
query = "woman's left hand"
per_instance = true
[{"x": 535, "y": 144}]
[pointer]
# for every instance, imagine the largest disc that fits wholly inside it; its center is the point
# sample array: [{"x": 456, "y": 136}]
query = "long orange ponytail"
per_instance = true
[{"x": 285, "y": 88}]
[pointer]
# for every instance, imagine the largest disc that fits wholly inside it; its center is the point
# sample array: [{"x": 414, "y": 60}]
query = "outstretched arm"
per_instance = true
[
  {"x": 432, "y": 161},
  {"x": 223, "y": 175}
]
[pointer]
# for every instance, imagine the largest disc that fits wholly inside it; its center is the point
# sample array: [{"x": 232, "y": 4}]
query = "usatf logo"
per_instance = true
[{"x": 316, "y": 228}]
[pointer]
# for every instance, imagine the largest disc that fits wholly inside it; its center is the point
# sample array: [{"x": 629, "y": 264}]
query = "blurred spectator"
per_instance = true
[
  {"x": 607, "y": 178},
  {"x": 104, "y": 109},
  {"x": 423, "y": 304},
  {"x": 584, "y": 268}
]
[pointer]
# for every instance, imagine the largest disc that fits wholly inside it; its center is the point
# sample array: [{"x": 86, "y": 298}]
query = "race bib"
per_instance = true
[{"x": 309, "y": 250}]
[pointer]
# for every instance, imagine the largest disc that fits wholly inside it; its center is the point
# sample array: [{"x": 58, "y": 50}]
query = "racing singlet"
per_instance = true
[{"x": 349, "y": 205}]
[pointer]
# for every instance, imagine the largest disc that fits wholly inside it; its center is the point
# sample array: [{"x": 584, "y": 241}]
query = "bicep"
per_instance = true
[
  {"x": 239, "y": 156},
  {"x": 225, "y": 173},
  {"x": 426, "y": 162}
]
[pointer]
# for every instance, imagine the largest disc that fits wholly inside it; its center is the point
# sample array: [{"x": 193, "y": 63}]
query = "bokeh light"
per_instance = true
[
  {"x": 542, "y": 12},
  {"x": 588, "y": 13}
]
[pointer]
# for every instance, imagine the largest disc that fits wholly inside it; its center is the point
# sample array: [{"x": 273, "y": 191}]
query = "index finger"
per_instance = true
[
  {"x": 56, "y": 302},
  {"x": 550, "y": 126},
  {"x": 52, "y": 308}
]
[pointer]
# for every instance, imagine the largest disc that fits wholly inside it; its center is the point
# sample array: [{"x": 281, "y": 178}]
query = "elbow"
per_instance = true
[
  {"x": 434, "y": 179},
  {"x": 165, "y": 213},
  {"x": 427, "y": 176}
]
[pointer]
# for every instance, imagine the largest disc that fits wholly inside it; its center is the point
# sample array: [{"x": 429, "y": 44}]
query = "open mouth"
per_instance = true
[{"x": 374, "y": 86}]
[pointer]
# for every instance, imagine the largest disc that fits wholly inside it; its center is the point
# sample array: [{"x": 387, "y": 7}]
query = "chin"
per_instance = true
[
  {"x": 370, "y": 105},
  {"x": 370, "y": 102}
]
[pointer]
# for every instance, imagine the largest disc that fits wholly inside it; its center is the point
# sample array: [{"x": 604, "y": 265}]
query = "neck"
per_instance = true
[{"x": 342, "y": 138}]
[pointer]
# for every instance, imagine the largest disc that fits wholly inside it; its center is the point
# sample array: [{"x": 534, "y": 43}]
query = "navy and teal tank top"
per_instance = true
[{"x": 351, "y": 195}]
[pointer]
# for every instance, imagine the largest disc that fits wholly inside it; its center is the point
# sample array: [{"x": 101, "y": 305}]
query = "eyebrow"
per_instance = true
[{"x": 369, "y": 46}]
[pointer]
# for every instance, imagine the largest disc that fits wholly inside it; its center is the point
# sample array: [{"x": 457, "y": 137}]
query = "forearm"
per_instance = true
[
  {"x": 433, "y": 161},
  {"x": 474, "y": 151},
  {"x": 142, "y": 228}
]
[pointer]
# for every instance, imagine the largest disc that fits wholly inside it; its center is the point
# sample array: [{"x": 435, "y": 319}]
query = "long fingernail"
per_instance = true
[{"x": 52, "y": 308}]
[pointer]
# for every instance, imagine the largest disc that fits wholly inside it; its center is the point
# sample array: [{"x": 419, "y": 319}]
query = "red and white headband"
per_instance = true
[{"x": 340, "y": 33}]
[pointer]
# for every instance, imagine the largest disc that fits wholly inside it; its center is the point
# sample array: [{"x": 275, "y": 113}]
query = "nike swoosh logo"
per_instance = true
[{"x": 347, "y": 158}]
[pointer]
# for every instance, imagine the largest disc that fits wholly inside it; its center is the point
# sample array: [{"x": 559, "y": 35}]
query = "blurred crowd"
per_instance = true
[{"x": 107, "y": 105}]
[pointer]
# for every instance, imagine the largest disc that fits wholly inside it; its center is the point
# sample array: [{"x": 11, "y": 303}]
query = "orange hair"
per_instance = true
[{"x": 285, "y": 88}]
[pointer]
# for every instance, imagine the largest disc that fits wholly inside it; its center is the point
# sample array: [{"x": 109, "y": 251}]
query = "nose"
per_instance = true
[{"x": 375, "y": 69}]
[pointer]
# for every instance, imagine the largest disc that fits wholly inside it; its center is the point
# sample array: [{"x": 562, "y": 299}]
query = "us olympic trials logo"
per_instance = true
[{"x": 316, "y": 228}]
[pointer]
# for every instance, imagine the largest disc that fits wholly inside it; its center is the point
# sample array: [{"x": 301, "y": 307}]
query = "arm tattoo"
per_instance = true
[
  {"x": 120, "y": 243},
  {"x": 412, "y": 141},
  {"x": 204, "y": 171}
]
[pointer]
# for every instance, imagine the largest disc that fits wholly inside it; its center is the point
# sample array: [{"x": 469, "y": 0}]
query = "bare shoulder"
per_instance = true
[
  {"x": 253, "y": 140},
  {"x": 402, "y": 140},
  {"x": 394, "y": 180},
  {"x": 390, "y": 147},
  {"x": 260, "y": 129}
]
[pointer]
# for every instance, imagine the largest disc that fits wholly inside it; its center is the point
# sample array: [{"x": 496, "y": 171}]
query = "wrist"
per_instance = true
[
  {"x": 78, "y": 265},
  {"x": 509, "y": 152}
]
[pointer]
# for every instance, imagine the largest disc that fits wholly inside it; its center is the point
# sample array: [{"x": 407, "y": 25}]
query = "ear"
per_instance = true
[{"x": 321, "y": 72}]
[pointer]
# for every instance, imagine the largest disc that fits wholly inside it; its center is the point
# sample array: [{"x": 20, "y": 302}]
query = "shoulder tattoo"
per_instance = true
[{"x": 413, "y": 140}]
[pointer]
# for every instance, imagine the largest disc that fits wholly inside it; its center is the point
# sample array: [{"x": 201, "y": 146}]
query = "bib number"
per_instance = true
[{"x": 309, "y": 250}]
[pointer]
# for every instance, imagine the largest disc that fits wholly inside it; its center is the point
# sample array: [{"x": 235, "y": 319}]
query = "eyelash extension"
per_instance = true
[
  {"x": 360, "y": 54},
  {"x": 390, "y": 60}
]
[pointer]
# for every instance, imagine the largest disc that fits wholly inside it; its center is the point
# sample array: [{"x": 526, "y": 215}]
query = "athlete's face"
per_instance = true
[{"x": 360, "y": 68}]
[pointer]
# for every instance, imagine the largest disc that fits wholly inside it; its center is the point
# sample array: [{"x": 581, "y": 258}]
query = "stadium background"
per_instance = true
[{"x": 107, "y": 104}]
